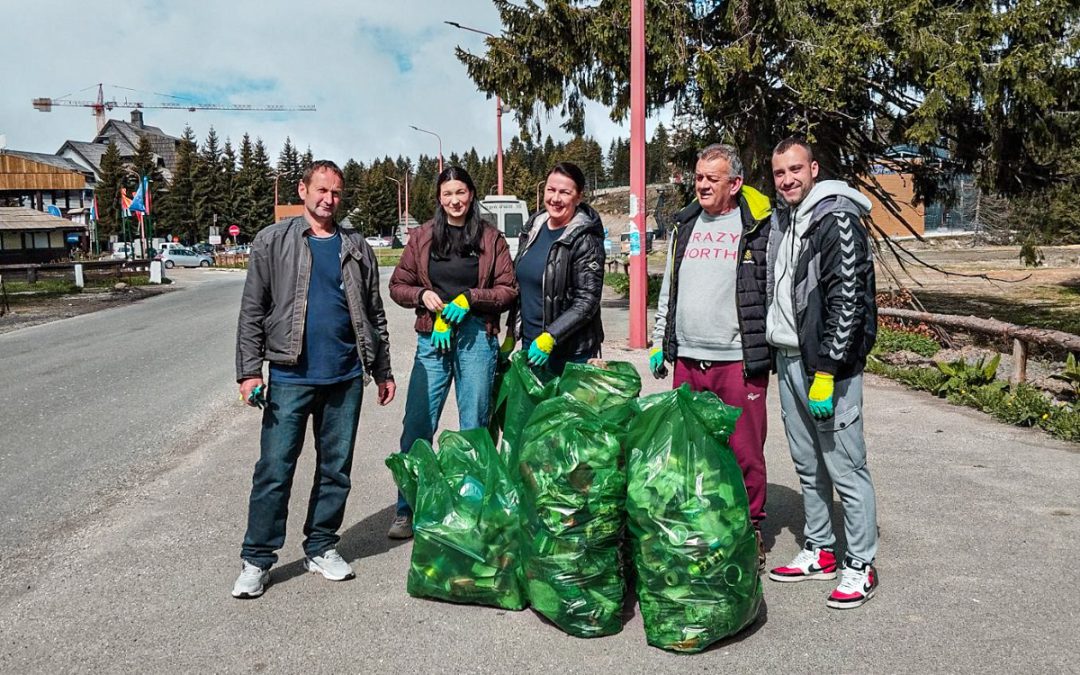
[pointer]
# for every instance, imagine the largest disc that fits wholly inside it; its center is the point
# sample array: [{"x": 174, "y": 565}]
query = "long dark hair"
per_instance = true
[{"x": 473, "y": 229}]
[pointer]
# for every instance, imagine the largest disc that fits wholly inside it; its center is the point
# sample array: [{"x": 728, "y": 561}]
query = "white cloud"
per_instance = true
[{"x": 371, "y": 67}]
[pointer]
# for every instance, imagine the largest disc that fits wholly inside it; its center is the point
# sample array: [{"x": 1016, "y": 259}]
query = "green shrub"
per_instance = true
[
  {"x": 961, "y": 377},
  {"x": 1070, "y": 375},
  {"x": 890, "y": 340},
  {"x": 620, "y": 283}
]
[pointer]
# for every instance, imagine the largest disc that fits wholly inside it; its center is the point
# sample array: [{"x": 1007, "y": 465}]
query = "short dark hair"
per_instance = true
[
  {"x": 791, "y": 142},
  {"x": 571, "y": 171},
  {"x": 321, "y": 165}
]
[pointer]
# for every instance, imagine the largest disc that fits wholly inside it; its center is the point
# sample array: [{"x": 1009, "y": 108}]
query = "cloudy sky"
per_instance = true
[{"x": 371, "y": 67}]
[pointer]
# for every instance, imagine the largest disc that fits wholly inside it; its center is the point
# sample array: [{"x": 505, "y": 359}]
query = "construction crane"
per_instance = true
[{"x": 100, "y": 106}]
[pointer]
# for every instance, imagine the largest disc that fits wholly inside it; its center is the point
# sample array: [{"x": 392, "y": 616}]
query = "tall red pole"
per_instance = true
[
  {"x": 638, "y": 260},
  {"x": 407, "y": 199},
  {"x": 498, "y": 141}
]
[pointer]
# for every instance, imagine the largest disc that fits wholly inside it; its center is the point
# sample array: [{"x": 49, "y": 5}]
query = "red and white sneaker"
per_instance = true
[
  {"x": 811, "y": 563},
  {"x": 858, "y": 581}
]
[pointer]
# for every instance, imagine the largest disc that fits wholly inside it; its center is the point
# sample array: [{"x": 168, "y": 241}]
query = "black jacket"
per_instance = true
[
  {"x": 835, "y": 309},
  {"x": 573, "y": 283},
  {"x": 273, "y": 308},
  {"x": 750, "y": 280}
]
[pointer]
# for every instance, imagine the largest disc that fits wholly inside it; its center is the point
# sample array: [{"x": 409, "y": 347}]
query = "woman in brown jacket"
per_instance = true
[{"x": 456, "y": 271}]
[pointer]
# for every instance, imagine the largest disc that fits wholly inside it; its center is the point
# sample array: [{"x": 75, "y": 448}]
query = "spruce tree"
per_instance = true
[
  {"x": 107, "y": 192},
  {"x": 207, "y": 189}
]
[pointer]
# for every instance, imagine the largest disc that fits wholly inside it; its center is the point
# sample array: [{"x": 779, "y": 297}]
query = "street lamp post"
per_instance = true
[
  {"x": 436, "y": 136},
  {"x": 398, "y": 199},
  {"x": 638, "y": 260},
  {"x": 498, "y": 110}
]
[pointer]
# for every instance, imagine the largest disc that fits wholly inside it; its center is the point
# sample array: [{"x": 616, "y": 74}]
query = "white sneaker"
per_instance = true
[
  {"x": 858, "y": 583},
  {"x": 331, "y": 565},
  {"x": 252, "y": 581}
]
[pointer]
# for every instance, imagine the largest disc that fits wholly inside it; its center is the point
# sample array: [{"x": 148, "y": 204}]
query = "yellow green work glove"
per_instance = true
[
  {"x": 456, "y": 309},
  {"x": 506, "y": 349},
  {"x": 821, "y": 394},
  {"x": 440, "y": 336},
  {"x": 656, "y": 363},
  {"x": 540, "y": 349}
]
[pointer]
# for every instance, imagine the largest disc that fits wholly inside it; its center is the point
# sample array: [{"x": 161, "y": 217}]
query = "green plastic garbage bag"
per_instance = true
[
  {"x": 519, "y": 388},
  {"x": 573, "y": 490},
  {"x": 606, "y": 389},
  {"x": 466, "y": 521},
  {"x": 694, "y": 545}
]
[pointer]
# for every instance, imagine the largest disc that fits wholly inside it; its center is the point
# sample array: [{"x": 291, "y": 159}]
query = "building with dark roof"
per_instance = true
[{"x": 125, "y": 136}]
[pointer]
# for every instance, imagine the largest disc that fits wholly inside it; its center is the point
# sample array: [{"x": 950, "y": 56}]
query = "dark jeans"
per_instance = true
[
  {"x": 470, "y": 365},
  {"x": 335, "y": 413}
]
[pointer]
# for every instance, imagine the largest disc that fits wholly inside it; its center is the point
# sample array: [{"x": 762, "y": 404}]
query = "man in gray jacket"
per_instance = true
[
  {"x": 311, "y": 307},
  {"x": 822, "y": 323}
]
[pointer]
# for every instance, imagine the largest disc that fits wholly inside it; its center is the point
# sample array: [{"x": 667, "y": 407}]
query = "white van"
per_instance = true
[{"x": 508, "y": 213}]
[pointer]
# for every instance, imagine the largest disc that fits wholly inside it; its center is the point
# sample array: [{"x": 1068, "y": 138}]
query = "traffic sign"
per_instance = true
[{"x": 234, "y": 230}]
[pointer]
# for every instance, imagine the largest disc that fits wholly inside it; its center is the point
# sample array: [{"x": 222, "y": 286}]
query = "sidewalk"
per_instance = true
[{"x": 979, "y": 524}]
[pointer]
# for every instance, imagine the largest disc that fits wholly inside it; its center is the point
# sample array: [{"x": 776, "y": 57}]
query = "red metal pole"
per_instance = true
[
  {"x": 638, "y": 260},
  {"x": 498, "y": 141},
  {"x": 407, "y": 199}
]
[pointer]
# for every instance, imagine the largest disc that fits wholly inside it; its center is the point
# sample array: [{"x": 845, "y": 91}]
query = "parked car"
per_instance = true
[
  {"x": 184, "y": 257},
  {"x": 243, "y": 249},
  {"x": 378, "y": 242},
  {"x": 204, "y": 248}
]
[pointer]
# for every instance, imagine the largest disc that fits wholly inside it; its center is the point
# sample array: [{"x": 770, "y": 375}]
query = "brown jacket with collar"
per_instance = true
[{"x": 495, "y": 292}]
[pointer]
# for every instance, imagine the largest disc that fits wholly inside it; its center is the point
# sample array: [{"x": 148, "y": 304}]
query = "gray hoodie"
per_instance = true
[{"x": 780, "y": 327}]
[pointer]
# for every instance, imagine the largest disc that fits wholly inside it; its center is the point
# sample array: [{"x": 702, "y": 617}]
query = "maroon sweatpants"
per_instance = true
[{"x": 725, "y": 379}]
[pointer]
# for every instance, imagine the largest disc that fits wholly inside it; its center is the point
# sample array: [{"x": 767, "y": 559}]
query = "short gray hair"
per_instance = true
[{"x": 725, "y": 152}]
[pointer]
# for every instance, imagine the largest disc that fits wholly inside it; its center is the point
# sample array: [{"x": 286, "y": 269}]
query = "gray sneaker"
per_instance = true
[
  {"x": 401, "y": 528},
  {"x": 251, "y": 583},
  {"x": 331, "y": 565}
]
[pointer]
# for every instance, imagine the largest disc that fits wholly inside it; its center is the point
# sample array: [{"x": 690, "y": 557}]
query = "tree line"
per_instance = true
[{"x": 213, "y": 182}]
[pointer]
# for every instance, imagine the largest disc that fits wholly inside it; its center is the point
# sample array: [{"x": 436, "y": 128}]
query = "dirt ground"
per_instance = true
[{"x": 24, "y": 312}]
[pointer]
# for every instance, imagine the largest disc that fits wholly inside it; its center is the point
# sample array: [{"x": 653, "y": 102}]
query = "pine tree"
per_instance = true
[
  {"x": 207, "y": 191},
  {"x": 175, "y": 209},
  {"x": 107, "y": 192},
  {"x": 982, "y": 86},
  {"x": 263, "y": 193},
  {"x": 228, "y": 214},
  {"x": 289, "y": 174}
]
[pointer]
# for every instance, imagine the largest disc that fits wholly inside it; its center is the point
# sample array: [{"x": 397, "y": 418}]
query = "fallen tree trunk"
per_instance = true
[{"x": 1042, "y": 336}]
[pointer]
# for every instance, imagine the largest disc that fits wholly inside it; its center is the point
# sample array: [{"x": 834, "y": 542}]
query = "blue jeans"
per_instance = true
[
  {"x": 335, "y": 413},
  {"x": 470, "y": 364}
]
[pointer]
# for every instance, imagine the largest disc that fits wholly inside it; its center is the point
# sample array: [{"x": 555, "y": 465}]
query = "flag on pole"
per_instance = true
[
  {"x": 125, "y": 202},
  {"x": 93, "y": 210},
  {"x": 140, "y": 203}
]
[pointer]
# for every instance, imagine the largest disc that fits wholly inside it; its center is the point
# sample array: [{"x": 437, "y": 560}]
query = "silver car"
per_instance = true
[{"x": 184, "y": 257}]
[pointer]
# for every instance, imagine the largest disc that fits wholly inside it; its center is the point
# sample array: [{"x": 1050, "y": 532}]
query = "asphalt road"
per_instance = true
[{"x": 979, "y": 523}]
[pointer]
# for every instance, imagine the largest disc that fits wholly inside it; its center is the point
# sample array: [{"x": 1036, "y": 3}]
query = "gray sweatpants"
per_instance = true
[{"x": 830, "y": 453}]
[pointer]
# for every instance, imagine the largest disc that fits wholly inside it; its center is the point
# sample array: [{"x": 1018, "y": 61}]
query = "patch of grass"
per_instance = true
[
  {"x": 44, "y": 288},
  {"x": 890, "y": 340}
]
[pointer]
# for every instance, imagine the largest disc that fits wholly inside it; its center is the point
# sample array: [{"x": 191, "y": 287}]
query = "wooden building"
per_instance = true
[
  {"x": 38, "y": 180},
  {"x": 30, "y": 236},
  {"x": 125, "y": 136}
]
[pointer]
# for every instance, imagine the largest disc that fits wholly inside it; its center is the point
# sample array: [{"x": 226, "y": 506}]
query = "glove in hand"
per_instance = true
[
  {"x": 440, "y": 336},
  {"x": 540, "y": 349},
  {"x": 821, "y": 395},
  {"x": 456, "y": 310},
  {"x": 656, "y": 363}
]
